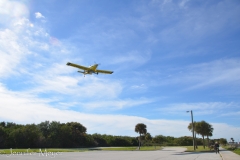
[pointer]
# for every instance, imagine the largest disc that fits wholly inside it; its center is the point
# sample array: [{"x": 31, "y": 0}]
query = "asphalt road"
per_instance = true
[{"x": 168, "y": 153}]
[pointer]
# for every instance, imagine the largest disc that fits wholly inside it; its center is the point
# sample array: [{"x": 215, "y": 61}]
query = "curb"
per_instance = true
[{"x": 221, "y": 156}]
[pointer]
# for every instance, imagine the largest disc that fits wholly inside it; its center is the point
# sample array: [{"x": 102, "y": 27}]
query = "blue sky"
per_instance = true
[{"x": 167, "y": 56}]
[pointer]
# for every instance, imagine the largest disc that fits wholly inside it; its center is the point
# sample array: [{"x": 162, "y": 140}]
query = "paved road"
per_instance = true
[
  {"x": 228, "y": 155},
  {"x": 168, "y": 153}
]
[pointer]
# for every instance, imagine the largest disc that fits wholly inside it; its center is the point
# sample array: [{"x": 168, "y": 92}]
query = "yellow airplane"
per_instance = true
[{"x": 89, "y": 70}]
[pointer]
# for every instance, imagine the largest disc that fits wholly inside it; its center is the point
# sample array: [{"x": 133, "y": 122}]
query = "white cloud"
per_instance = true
[
  {"x": 183, "y": 3},
  {"x": 19, "y": 39},
  {"x": 218, "y": 73},
  {"x": 12, "y": 9},
  {"x": 22, "y": 108},
  {"x": 134, "y": 57},
  {"x": 39, "y": 15},
  {"x": 231, "y": 114},
  {"x": 223, "y": 130},
  {"x": 131, "y": 60},
  {"x": 79, "y": 86},
  {"x": 12, "y": 51},
  {"x": 18, "y": 43},
  {"x": 116, "y": 104},
  {"x": 191, "y": 24},
  {"x": 142, "y": 86},
  {"x": 201, "y": 108},
  {"x": 26, "y": 44}
]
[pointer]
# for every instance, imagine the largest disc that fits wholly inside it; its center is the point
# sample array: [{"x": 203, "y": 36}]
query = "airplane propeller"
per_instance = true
[{"x": 97, "y": 63}]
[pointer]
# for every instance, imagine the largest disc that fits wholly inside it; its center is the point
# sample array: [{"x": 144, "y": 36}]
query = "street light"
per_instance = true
[{"x": 192, "y": 130}]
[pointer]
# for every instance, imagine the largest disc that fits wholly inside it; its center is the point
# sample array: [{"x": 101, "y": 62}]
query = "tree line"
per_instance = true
[
  {"x": 202, "y": 128},
  {"x": 74, "y": 135}
]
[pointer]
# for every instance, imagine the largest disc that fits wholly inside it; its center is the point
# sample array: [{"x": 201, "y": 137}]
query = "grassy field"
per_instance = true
[
  {"x": 152, "y": 148},
  {"x": 199, "y": 149},
  {"x": 237, "y": 151},
  {"x": 144, "y": 148},
  {"x": 37, "y": 150}
]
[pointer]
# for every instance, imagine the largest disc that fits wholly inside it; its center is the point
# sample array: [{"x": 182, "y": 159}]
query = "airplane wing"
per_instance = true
[
  {"x": 77, "y": 66},
  {"x": 104, "y": 71}
]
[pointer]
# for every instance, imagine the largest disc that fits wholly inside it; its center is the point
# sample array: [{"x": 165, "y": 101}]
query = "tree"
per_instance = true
[
  {"x": 99, "y": 140},
  {"x": 78, "y": 133},
  {"x": 232, "y": 144},
  {"x": 223, "y": 141},
  {"x": 141, "y": 129},
  {"x": 44, "y": 128},
  {"x": 3, "y": 136},
  {"x": 204, "y": 129},
  {"x": 3, "y": 124},
  {"x": 160, "y": 139},
  {"x": 26, "y": 136},
  {"x": 184, "y": 141},
  {"x": 148, "y": 137},
  {"x": 77, "y": 126},
  {"x": 209, "y": 131},
  {"x": 54, "y": 137}
]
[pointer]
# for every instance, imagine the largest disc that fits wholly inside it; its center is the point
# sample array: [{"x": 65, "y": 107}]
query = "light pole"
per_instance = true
[{"x": 193, "y": 131}]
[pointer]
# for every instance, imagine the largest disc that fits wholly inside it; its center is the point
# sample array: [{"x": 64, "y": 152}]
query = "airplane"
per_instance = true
[{"x": 90, "y": 69}]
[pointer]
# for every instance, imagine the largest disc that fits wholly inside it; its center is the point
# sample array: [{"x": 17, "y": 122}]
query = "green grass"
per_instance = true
[
  {"x": 119, "y": 149},
  {"x": 230, "y": 148},
  {"x": 237, "y": 151},
  {"x": 37, "y": 150},
  {"x": 144, "y": 148},
  {"x": 199, "y": 149},
  {"x": 152, "y": 148}
]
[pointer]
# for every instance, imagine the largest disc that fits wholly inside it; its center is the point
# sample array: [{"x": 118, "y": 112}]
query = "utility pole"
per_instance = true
[{"x": 194, "y": 147}]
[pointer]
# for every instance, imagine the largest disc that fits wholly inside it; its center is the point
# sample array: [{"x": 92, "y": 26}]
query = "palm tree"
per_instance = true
[
  {"x": 209, "y": 131},
  {"x": 141, "y": 129},
  {"x": 232, "y": 142},
  {"x": 204, "y": 129}
]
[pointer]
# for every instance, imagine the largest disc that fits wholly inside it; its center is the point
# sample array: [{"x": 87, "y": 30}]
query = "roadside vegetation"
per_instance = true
[
  {"x": 237, "y": 151},
  {"x": 73, "y": 137},
  {"x": 40, "y": 150},
  {"x": 233, "y": 149},
  {"x": 143, "y": 148},
  {"x": 204, "y": 129},
  {"x": 199, "y": 149}
]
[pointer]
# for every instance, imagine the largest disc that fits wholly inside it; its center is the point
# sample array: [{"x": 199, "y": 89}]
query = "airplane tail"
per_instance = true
[
  {"x": 81, "y": 72},
  {"x": 84, "y": 72}
]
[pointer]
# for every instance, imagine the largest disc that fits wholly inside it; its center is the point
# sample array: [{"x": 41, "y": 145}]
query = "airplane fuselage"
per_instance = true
[
  {"x": 92, "y": 69},
  {"x": 89, "y": 70}
]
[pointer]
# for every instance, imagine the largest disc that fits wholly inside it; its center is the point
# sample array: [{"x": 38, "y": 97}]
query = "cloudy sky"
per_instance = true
[{"x": 168, "y": 57}]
